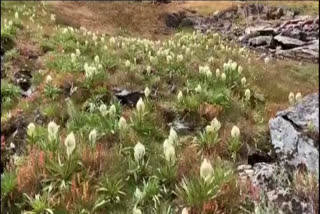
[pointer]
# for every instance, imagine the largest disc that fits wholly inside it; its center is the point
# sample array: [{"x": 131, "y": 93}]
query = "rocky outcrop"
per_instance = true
[
  {"x": 280, "y": 31},
  {"x": 272, "y": 181},
  {"x": 294, "y": 133}
]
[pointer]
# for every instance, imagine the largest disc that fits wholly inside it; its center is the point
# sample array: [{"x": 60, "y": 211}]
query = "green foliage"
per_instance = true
[
  {"x": 52, "y": 91},
  {"x": 60, "y": 171},
  {"x": 110, "y": 191},
  {"x": 196, "y": 191},
  {"x": 39, "y": 204},
  {"x": 8, "y": 184},
  {"x": 9, "y": 94}
]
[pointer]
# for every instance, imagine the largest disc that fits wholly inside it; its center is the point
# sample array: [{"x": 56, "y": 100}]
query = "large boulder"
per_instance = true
[
  {"x": 272, "y": 181},
  {"x": 287, "y": 42},
  {"x": 294, "y": 134}
]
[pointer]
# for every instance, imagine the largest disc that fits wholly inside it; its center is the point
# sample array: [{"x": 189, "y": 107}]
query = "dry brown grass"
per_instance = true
[{"x": 29, "y": 174}]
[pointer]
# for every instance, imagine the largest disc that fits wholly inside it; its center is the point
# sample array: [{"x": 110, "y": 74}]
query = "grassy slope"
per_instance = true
[{"x": 275, "y": 81}]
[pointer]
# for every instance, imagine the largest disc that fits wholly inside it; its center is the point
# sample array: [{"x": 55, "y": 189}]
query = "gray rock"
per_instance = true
[
  {"x": 287, "y": 42},
  {"x": 187, "y": 22},
  {"x": 295, "y": 34},
  {"x": 273, "y": 182},
  {"x": 289, "y": 134},
  {"x": 310, "y": 52},
  {"x": 261, "y": 41}
]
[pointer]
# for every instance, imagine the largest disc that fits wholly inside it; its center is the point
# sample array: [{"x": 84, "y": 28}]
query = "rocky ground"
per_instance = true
[
  {"x": 272, "y": 167},
  {"x": 277, "y": 31}
]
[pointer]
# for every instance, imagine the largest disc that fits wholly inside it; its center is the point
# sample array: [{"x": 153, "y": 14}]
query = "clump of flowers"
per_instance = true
[{"x": 294, "y": 99}]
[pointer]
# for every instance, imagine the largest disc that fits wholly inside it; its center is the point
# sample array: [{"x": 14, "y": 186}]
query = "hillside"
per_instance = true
[{"x": 141, "y": 107}]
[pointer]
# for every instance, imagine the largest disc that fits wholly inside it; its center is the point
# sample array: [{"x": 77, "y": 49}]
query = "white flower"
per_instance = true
[
  {"x": 65, "y": 30},
  {"x": 235, "y": 132},
  {"x": 136, "y": 211},
  {"x": 97, "y": 59},
  {"x": 103, "y": 110},
  {"x": 127, "y": 63},
  {"x": 234, "y": 66},
  {"x": 16, "y": 15},
  {"x": 206, "y": 169},
  {"x": 93, "y": 136},
  {"x": 223, "y": 76},
  {"x": 148, "y": 69},
  {"x": 53, "y": 17},
  {"x": 185, "y": 211},
  {"x": 139, "y": 151},
  {"x": 112, "y": 110},
  {"x": 48, "y": 79},
  {"x": 215, "y": 124},
  {"x": 140, "y": 105},
  {"x": 146, "y": 92},
  {"x": 266, "y": 60},
  {"x": 78, "y": 52},
  {"x": 99, "y": 66},
  {"x": 53, "y": 129},
  {"x": 218, "y": 73},
  {"x": 70, "y": 143},
  {"x": 240, "y": 69},
  {"x": 122, "y": 124},
  {"x": 112, "y": 40},
  {"x": 247, "y": 94},
  {"x": 173, "y": 136},
  {"x": 209, "y": 129},
  {"x": 291, "y": 98},
  {"x": 102, "y": 39},
  {"x": 167, "y": 142},
  {"x": 198, "y": 88},
  {"x": 188, "y": 51},
  {"x": 94, "y": 37},
  {"x": 169, "y": 58},
  {"x": 86, "y": 42},
  {"x": 169, "y": 152},
  {"x": 243, "y": 81},
  {"x": 180, "y": 58},
  {"x": 73, "y": 57},
  {"x": 298, "y": 97},
  {"x": 211, "y": 59},
  {"x": 180, "y": 96},
  {"x": 31, "y": 129}
]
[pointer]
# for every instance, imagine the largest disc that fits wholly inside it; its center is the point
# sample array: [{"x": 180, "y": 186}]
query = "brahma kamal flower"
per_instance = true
[
  {"x": 243, "y": 81},
  {"x": 146, "y": 92},
  {"x": 235, "y": 132},
  {"x": 247, "y": 94},
  {"x": 215, "y": 123},
  {"x": 206, "y": 169},
  {"x": 103, "y": 110},
  {"x": 31, "y": 129},
  {"x": 53, "y": 129},
  {"x": 70, "y": 143},
  {"x": 223, "y": 77},
  {"x": 298, "y": 97},
  {"x": 169, "y": 153},
  {"x": 139, "y": 151},
  {"x": 291, "y": 98},
  {"x": 122, "y": 124},
  {"x": 140, "y": 105},
  {"x": 93, "y": 136}
]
